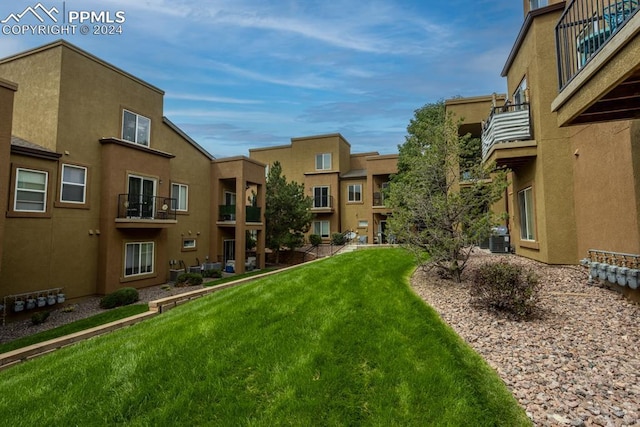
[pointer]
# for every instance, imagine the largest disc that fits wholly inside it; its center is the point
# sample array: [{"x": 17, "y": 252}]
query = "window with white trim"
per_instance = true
[
  {"x": 363, "y": 223},
  {"x": 180, "y": 194},
  {"x": 520, "y": 94},
  {"x": 323, "y": 161},
  {"x": 138, "y": 258},
  {"x": 355, "y": 193},
  {"x": 188, "y": 243},
  {"x": 30, "y": 191},
  {"x": 527, "y": 218},
  {"x": 321, "y": 228},
  {"x": 136, "y": 128},
  {"x": 321, "y": 197},
  {"x": 73, "y": 188}
]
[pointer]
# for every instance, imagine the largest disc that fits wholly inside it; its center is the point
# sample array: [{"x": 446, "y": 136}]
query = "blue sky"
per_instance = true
[{"x": 239, "y": 74}]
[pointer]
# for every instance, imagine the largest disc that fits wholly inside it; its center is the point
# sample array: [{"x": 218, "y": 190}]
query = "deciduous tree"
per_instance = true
[{"x": 432, "y": 216}]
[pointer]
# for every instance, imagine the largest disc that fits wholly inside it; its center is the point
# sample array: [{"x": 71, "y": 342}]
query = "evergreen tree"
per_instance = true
[{"x": 287, "y": 212}]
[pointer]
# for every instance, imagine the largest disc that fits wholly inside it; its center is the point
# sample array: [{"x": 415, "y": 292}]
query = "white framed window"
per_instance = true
[
  {"x": 527, "y": 214},
  {"x": 180, "y": 192},
  {"x": 363, "y": 223},
  {"x": 189, "y": 244},
  {"x": 355, "y": 192},
  {"x": 138, "y": 258},
  {"x": 520, "y": 95},
  {"x": 73, "y": 188},
  {"x": 136, "y": 128},
  {"x": 141, "y": 199},
  {"x": 229, "y": 198},
  {"x": 321, "y": 197},
  {"x": 323, "y": 161},
  {"x": 321, "y": 228},
  {"x": 30, "y": 191}
]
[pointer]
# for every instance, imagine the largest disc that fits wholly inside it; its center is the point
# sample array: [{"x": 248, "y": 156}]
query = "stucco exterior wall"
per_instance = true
[
  {"x": 606, "y": 196},
  {"x": 38, "y": 74},
  {"x": 7, "y": 90},
  {"x": 550, "y": 175}
]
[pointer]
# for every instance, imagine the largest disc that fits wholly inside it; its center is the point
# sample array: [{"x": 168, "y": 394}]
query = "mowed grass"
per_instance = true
[
  {"x": 343, "y": 341},
  {"x": 77, "y": 326}
]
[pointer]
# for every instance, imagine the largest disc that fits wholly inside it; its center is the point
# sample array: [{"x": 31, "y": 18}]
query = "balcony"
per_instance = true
[
  {"x": 323, "y": 204},
  {"x": 378, "y": 199},
  {"x": 584, "y": 29},
  {"x": 145, "y": 211},
  {"x": 506, "y": 135},
  {"x": 227, "y": 213},
  {"x": 597, "y": 61}
]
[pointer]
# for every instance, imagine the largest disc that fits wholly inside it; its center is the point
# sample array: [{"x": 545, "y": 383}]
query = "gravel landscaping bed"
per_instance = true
[
  {"x": 87, "y": 307},
  {"x": 575, "y": 364}
]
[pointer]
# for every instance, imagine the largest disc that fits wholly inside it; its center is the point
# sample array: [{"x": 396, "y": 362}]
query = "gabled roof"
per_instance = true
[
  {"x": 180, "y": 132},
  {"x": 355, "y": 173},
  {"x": 22, "y": 146}
]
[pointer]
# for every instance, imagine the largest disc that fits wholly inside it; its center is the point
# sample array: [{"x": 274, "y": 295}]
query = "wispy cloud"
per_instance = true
[{"x": 214, "y": 99}]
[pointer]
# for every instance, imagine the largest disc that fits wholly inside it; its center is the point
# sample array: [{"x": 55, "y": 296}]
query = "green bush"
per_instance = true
[
  {"x": 506, "y": 287},
  {"x": 338, "y": 239},
  {"x": 315, "y": 239},
  {"x": 216, "y": 273},
  {"x": 123, "y": 296},
  {"x": 189, "y": 279},
  {"x": 40, "y": 317}
]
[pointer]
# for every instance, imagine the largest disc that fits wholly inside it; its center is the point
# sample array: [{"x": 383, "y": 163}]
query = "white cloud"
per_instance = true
[{"x": 205, "y": 98}]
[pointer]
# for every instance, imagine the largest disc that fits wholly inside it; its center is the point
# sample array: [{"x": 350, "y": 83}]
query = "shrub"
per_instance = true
[
  {"x": 338, "y": 239},
  {"x": 123, "y": 296},
  {"x": 506, "y": 287},
  {"x": 215, "y": 273},
  {"x": 315, "y": 239},
  {"x": 189, "y": 279},
  {"x": 40, "y": 317}
]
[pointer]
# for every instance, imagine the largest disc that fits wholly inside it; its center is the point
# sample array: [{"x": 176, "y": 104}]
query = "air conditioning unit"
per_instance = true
[{"x": 499, "y": 244}]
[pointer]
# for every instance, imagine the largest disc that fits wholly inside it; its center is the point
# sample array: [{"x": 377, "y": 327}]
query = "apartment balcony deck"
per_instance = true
[
  {"x": 598, "y": 64},
  {"x": 145, "y": 211},
  {"x": 227, "y": 214},
  {"x": 322, "y": 204},
  {"x": 379, "y": 201},
  {"x": 506, "y": 136}
]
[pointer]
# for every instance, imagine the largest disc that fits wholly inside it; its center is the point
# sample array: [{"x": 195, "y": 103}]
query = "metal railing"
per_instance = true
[
  {"x": 143, "y": 206},
  {"x": 584, "y": 28},
  {"x": 614, "y": 258},
  {"x": 378, "y": 199},
  {"x": 511, "y": 122}
]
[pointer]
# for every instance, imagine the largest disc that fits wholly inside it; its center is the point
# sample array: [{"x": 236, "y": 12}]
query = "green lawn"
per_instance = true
[
  {"x": 343, "y": 341},
  {"x": 77, "y": 326}
]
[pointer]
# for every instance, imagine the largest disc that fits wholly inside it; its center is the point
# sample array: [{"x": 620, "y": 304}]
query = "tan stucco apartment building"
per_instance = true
[
  {"x": 567, "y": 131},
  {"x": 347, "y": 189},
  {"x": 100, "y": 191}
]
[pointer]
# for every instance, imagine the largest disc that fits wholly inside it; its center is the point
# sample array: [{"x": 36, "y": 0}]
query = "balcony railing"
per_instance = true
[
  {"x": 584, "y": 28},
  {"x": 511, "y": 122},
  {"x": 142, "y": 206},
  {"x": 378, "y": 199},
  {"x": 323, "y": 202},
  {"x": 228, "y": 213},
  {"x": 253, "y": 213}
]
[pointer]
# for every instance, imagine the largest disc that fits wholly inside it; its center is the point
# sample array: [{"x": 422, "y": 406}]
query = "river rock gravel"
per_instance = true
[{"x": 577, "y": 363}]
